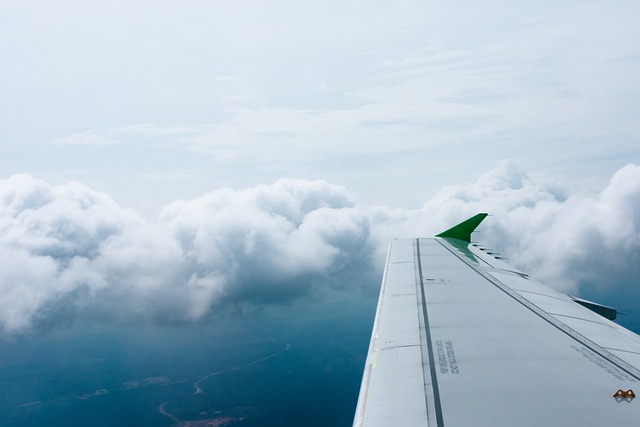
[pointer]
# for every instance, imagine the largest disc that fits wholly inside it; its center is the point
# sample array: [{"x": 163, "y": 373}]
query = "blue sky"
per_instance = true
[{"x": 175, "y": 144}]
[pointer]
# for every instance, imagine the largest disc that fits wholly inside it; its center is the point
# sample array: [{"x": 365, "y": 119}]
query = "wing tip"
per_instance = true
[{"x": 463, "y": 230}]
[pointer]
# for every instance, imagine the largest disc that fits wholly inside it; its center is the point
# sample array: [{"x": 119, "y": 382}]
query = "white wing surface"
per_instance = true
[{"x": 462, "y": 339}]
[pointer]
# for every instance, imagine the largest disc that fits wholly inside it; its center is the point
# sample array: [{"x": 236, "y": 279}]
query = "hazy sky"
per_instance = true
[
  {"x": 150, "y": 101},
  {"x": 169, "y": 157}
]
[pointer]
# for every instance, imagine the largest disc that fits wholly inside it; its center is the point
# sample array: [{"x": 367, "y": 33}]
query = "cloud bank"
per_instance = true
[{"x": 69, "y": 252}]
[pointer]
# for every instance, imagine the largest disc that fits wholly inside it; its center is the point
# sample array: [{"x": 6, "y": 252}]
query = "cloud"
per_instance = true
[
  {"x": 69, "y": 252},
  {"x": 581, "y": 243},
  {"x": 72, "y": 252},
  {"x": 270, "y": 242}
]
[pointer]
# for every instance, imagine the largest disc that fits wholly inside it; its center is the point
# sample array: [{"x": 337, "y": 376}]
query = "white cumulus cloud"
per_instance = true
[{"x": 68, "y": 252}]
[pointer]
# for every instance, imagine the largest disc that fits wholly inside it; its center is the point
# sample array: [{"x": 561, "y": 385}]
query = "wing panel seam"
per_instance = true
[{"x": 432, "y": 367}]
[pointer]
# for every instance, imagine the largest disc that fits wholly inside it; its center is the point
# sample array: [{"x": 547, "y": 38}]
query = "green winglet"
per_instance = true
[{"x": 463, "y": 230}]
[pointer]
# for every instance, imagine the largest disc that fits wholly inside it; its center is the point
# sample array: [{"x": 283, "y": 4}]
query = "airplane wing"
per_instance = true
[{"x": 461, "y": 338}]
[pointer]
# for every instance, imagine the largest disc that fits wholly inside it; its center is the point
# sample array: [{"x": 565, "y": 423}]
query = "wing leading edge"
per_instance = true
[{"x": 461, "y": 338}]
